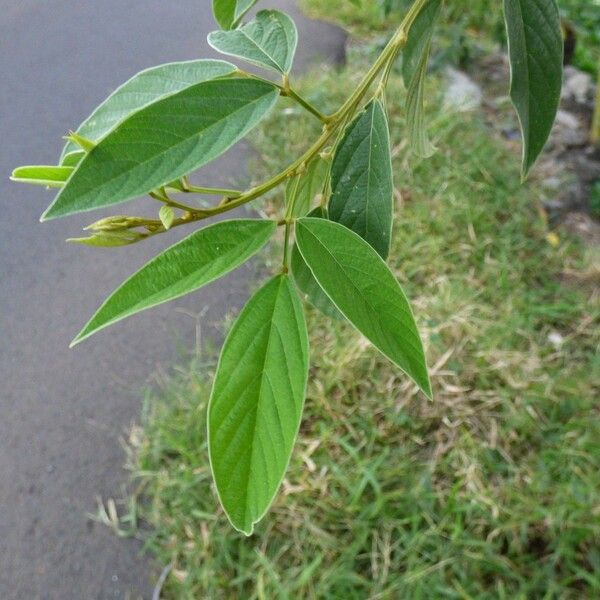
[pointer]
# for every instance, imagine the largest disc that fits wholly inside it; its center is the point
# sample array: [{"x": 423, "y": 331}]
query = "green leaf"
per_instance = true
[
  {"x": 109, "y": 239},
  {"x": 41, "y": 175},
  {"x": 306, "y": 281},
  {"x": 302, "y": 189},
  {"x": 197, "y": 260},
  {"x": 163, "y": 142},
  {"x": 256, "y": 403},
  {"x": 228, "y": 13},
  {"x": 269, "y": 41},
  {"x": 536, "y": 60},
  {"x": 414, "y": 72},
  {"x": 143, "y": 89},
  {"x": 72, "y": 159},
  {"x": 361, "y": 179},
  {"x": 167, "y": 216},
  {"x": 365, "y": 291}
]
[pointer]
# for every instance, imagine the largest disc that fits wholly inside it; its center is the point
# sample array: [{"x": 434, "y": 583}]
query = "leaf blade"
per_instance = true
[
  {"x": 536, "y": 59},
  {"x": 256, "y": 403},
  {"x": 195, "y": 261},
  {"x": 49, "y": 176},
  {"x": 414, "y": 73},
  {"x": 143, "y": 89},
  {"x": 163, "y": 142},
  {"x": 228, "y": 12},
  {"x": 268, "y": 41},
  {"x": 364, "y": 290},
  {"x": 362, "y": 181},
  {"x": 306, "y": 281}
]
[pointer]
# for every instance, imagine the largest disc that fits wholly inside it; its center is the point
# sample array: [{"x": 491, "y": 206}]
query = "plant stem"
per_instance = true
[
  {"x": 286, "y": 247},
  {"x": 332, "y": 122},
  {"x": 194, "y": 189},
  {"x": 306, "y": 104}
]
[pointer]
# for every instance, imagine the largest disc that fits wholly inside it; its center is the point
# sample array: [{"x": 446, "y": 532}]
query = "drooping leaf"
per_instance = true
[
  {"x": 197, "y": 260},
  {"x": 229, "y": 12},
  {"x": 302, "y": 189},
  {"x": 257, "y": 400},
  {"x": 361, "y": 179},
  {"x": 143, "y": 89},
  {"x": 306, "y": 281},
  {"x": 49, "y": 176},
  {"x": 414, "y": 72},
  {"x": 536, "y": 62},
  {"x": 365, "y": 291},
  {"x": 163, "y": 142},
  {"x": 269, "y": 41}
]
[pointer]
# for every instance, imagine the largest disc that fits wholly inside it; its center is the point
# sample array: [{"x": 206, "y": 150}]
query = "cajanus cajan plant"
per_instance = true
[{"x": 165, "y": 122}]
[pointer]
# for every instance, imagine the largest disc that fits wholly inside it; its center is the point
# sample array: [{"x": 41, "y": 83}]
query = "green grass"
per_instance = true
[{"x": 490, "y": 491}]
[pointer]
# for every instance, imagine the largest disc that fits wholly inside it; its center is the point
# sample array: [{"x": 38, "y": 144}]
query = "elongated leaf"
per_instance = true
[
  {"x": 229, "y": 12},
  {"x": 306, "y": 281},
  {"x": 269, "y": 41},
  {"x": 143, "y": 89},
  {"x": 50, "y": 176},
  {"x": 163, "y": 142},
  {"x": 361, "y": 179},
  {"x": 536, "y": 62},
  {"x": 197, "y": 260},
  {"x": 304, "y": 188},
  {"x": 365, "y": 291},
  {"x": 414, "y": 71},
  {"x": 256, "y": 402}
]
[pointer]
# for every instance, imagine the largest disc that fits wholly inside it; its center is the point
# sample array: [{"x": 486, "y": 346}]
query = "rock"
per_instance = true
[
  {"x": 578, "y": 87},
  {"x": 568, "y": 130},
  {"x": 462, "y": 93}
]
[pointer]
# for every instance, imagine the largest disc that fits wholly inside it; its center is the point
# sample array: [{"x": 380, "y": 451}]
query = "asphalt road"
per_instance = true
[{"x": 63, "y": 411}]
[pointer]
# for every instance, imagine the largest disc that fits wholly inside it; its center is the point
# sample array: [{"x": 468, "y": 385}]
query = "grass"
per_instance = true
[{"x": 490, "y": 491}]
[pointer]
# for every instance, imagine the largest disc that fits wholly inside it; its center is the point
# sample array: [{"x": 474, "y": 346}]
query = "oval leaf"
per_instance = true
[
  {"x": 365, "y": 291},
  {"x": 269, "y": 41},
  {"x": 256, "y": 403},
  {"x": 50, "y": 176},
  {"x": 306, "y": 281},
  {"x": 536, "y": 61},
  {"x": 361, "y": 179},
  {"x": 143, "y": 89},
  {"x": 229, "y": 12},
  {"x": 163, "y": 142},
  {"x": 197, "y": 260}
]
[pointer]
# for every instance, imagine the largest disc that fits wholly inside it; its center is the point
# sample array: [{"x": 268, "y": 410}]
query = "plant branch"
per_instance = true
[{"x": 332, "y": 124}]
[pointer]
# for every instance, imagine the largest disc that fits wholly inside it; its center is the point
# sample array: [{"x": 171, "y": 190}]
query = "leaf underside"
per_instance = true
[
  {"x": 257, "y": 400},
  {"x": 163, "y": 142},
  {"x": 268, "y": 41},
  {"x": 536, "y": 60},
  {"x": 361, "y": 179},
  {"x": 197, "y": 260},
  {"x": 365, "y": 291}
]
